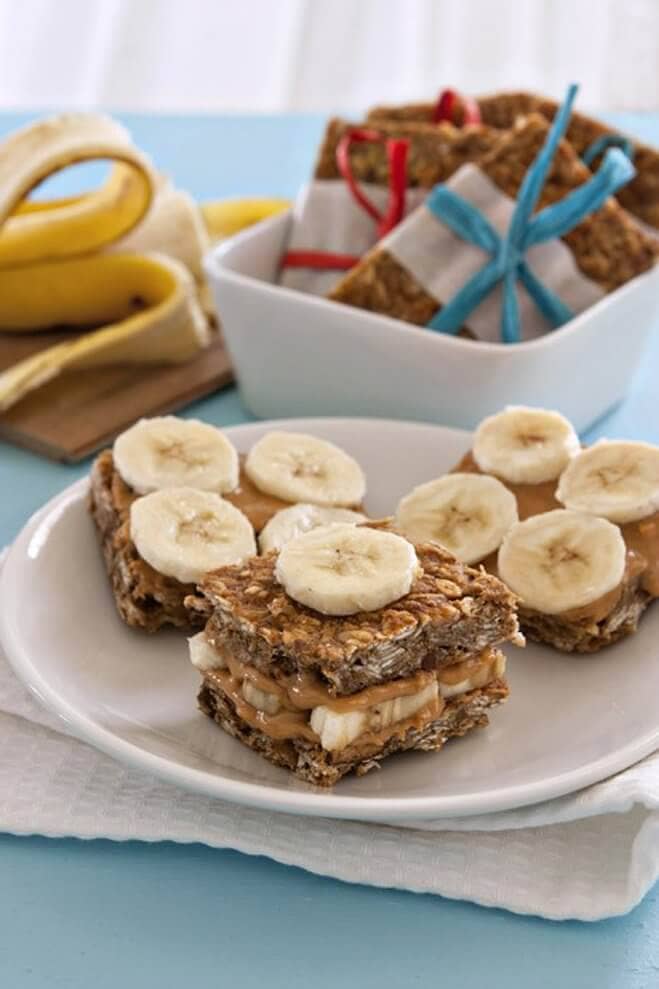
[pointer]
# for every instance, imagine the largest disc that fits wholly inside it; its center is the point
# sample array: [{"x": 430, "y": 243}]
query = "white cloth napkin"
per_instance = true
[{"x": 591, "y": 855}]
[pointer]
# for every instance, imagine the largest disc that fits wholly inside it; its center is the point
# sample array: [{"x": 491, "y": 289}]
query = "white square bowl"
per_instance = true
[{"x": 300, "y": 355}]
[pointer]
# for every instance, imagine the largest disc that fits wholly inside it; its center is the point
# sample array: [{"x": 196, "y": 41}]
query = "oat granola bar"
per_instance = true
[
  {"x": 608, "y": 247},
  {"x": 144, "y": 598},
  {"x": 435, "y": 152},
  {"x": 606, "y": 620},
  {"x": 501, "y": 110}
]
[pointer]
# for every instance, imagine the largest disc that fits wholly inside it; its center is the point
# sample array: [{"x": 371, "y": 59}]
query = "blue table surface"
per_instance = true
[{"x": 79, "y": 914}]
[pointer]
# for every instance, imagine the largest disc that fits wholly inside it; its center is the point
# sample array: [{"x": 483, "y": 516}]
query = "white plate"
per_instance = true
[{"x": 570, "y": 720}]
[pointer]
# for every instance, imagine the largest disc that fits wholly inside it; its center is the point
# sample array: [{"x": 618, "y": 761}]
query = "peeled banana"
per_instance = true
[{"x": 124, "y": 260}]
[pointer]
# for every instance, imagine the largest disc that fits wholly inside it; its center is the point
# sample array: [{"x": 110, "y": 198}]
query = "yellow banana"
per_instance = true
[
  {"x": 125, "y": 259},
  {"x": 227, "y": 217},
  {"x": 171, "y": 330},
  {"x": 57, "y": 266}
]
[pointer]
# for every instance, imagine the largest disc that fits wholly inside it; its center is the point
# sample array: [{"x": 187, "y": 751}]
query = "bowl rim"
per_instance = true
[{"x": 216, "y": 267}]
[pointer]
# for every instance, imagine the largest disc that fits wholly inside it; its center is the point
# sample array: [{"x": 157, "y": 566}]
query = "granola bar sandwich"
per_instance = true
[
  {"x": 171, "y": 500},
  {"x": 574, "y": 532},
  {"x": 350, "y": 644},
  {"x": 156, "y": 501}
]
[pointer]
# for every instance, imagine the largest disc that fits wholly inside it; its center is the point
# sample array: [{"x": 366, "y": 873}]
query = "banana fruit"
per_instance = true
[
  {"x": 343, "y": 569},
  {"x": 202, "y": 654},
  {"x": 262, "y": 700},
  {"x": 229, "y": 217},
  {"x": 562, "y": 560},
  {"x": 184, "y": 533},
  {"x": 167, "y": 452},
  {"x": 469, "y": 514},
  {"x": 292, "y": 522},
  {"x": 338, "y": 729},
  {"x": 54, "y": 265},
  {"x": 616, "y": 479},
  {"x": 296, "y": 467},
  {"x": 125, "y": 258},
  {"x": 525, "y": 446}
]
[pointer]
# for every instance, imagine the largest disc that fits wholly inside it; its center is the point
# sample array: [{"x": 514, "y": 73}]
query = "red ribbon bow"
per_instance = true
[
  {"x": 396, "y": 151},
  {"x": 448, "y": 101}
]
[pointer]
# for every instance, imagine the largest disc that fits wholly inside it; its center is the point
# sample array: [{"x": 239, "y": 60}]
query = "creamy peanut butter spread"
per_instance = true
[
  {"x": 258, "y": 506},
  {"x": 301, "y": 693},
  {"x": 532, "y": 499},
  {"x": 641, "y": 539}
]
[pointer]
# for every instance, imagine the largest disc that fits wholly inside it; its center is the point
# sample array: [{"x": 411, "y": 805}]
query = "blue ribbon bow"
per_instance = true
[
  {"x": 507, "y": 263},
  {"x": 600, "y": 144}
]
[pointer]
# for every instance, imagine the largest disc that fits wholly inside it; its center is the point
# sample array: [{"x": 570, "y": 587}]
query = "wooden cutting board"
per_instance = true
[{"x": 81, "y": 411}]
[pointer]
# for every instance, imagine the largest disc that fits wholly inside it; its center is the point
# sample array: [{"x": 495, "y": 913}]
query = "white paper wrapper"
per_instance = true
[
  {"x": 443, "y": 262},
  {"x": 326, "y": 217}
]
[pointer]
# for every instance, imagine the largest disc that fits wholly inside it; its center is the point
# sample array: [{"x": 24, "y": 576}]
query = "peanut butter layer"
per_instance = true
[
  {"x": 144, "y": 598},
  {"x": 451, "y": 613},
  {"x": 435, "y": 152},
  {"x": 258, "y": 506},
  {"x": 305, "y": 691},
  {"x": 607, "y": 246},
  {"x": 310, "y": 762},
  {"x": 532, "y": 499},
  {"x": 501, "y": 110}
]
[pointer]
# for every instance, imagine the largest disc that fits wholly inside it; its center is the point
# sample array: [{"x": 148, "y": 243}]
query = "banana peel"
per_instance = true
[{"x": 125, "y": 258}]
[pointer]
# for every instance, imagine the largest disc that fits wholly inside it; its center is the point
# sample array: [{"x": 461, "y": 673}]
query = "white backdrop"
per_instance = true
[{"x": 267, "y": 55}]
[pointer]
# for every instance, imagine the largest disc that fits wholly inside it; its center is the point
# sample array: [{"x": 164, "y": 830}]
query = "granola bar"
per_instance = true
[
  {"x": 606, "y": 619},
  {"x": 608, "y": 247},
  {"x": 501, "y": 110},
  {"x": 144, "y": 598},
  {"x": 435, "y": 152}
]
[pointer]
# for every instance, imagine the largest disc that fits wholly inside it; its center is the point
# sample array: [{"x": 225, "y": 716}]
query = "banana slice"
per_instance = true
[
  {"x": 166, "y": 452},
  {"x": 297, "y": 467},
  {"x": 262, "y": 700},
  {"x": 525, "y": 446},
  {"x": 337, "y": 730},
  {"x": 292, "y": 522},
  {"x": 184, "y": 533},
  {"x": 469, "y": 514},
  {"x": 342, "y": 569},
  {"x": 562, "y": 560},
  {"x": 616, "y": 479},
  {"x": 202, "y": 654}
]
